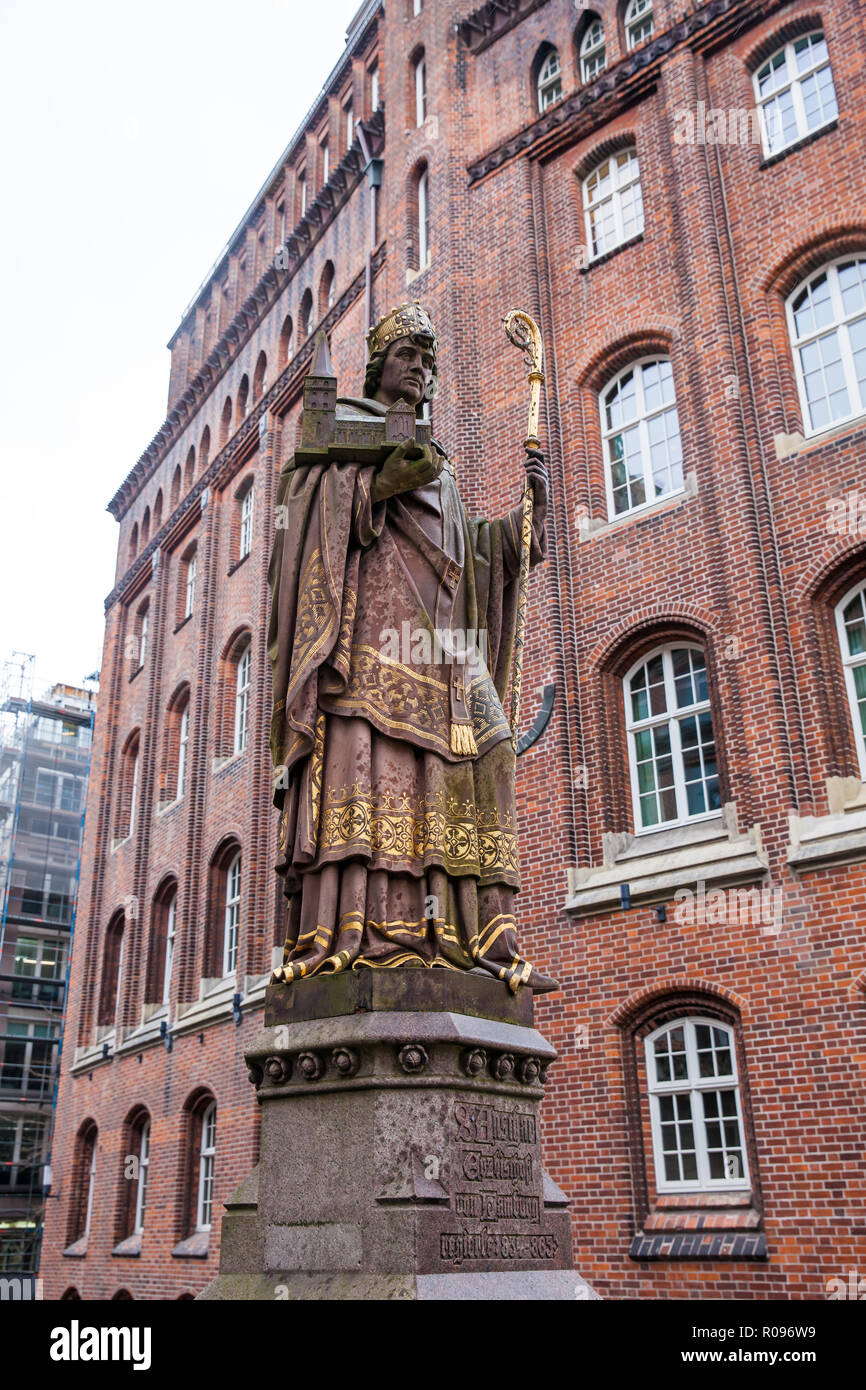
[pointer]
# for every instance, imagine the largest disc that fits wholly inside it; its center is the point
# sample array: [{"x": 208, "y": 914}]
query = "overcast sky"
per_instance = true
[{"x": 134, "y": 139}]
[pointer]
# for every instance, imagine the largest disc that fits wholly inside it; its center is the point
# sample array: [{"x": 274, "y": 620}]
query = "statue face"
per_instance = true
[{"x": 407, "y": 372}]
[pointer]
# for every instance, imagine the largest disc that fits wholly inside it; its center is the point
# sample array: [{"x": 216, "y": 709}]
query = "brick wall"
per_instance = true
[{"x": 741, "y": 564}]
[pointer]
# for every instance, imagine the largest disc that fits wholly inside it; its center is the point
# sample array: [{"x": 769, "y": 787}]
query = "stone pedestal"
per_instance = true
[{"x": 400, "y": 1147}]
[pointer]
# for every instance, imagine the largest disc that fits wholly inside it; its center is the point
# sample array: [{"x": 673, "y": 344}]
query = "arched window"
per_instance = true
[
  {"x": 231, "y": 923},
  {"x": 695, "y": 1106},
  {"x": 548, "y": 83},
  {"x": 133, "y": 542},
  {"x": 157, "y": 512},
  {"x": 226, "y": 422},
  {"x": 851, "y": 625},
  {"x": 70, "y": 1295},
  {"x": 188, "y": 572},
  {"x": 259, "y": 377},
  {"x": 641, "y": 436},
  {"x": 83, "y": 1176},
  {"x": 827, "y": 323},
  {"x": 189, "y": 469},
  {"x": 182, "y": 749},
  {"x": 287, "y": 333},
  {"x": 246, "y": 504},
  {"x": 671, "y": 745},
  {"x": 175, "y": 487},
  {"x": 112, "y": 973},
  {"x": 349, "y": 123},
  {"x": 302, "y": 192},
  {"x": 145, "y": 527},
  {"x": 242, "y": 699},
  {"x": 593, "y": 54},
  {"x": 132, "y": 1204},
  {"x": 142, "y": 622},
  {"x": 794, "y": 92},
  {"x": 243, "y": 398},
  {"x": 613, "y": 202},
  {"x": 143, "y": 1137},
  {"x": 423, "y": 216},
  {"x": 205, "y": 1175},
  {"x": 163, "y": 931},
  {"x": 326, "y": 289},
  {"x": 419, "y": 83},
  {"x": 204, "y": 448},
  {"x": 638, "y": 23},
  {"x": 306, "y": 313},
  {"x": 176, "y": 747},
  {"x": 127, "y": 791},
  {"x": 374, "y": 87}
]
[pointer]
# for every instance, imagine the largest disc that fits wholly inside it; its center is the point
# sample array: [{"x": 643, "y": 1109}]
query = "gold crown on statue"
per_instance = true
[{"x": 406, "y": 320}]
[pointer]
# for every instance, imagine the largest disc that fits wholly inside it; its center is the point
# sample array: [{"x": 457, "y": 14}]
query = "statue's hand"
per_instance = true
[
  {"x": 408, "y": 466},
  {"x": 536, "y": 472}
]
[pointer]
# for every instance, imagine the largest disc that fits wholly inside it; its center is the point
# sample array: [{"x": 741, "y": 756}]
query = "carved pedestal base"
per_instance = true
[{"x": 400, "y": 1147}]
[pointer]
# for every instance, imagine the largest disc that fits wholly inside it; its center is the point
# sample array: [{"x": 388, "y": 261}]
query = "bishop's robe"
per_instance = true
[{"x": 394, "y": 778}]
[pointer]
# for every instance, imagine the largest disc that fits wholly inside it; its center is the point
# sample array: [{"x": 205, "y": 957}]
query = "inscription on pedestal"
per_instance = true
[{"x": 496, "y": 1215}]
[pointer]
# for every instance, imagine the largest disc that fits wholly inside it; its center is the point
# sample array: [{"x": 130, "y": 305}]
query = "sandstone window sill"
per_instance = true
[
  {"x": 713, "y": 852},
  {"x": 214, "y": 1005},
  {"x": 77, "y": 1250},
  {"x": 220, "y": 763},
  {"x": 164, "y": 807},
  {"x": 130, "y": 1247},
  {"x": 593, "y": 528},
  {"x": 195, "y": 1247},
  {"x": 838, "y": 838}
]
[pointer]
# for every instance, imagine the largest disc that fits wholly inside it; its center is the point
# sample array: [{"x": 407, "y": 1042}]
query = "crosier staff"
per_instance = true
[{"x": 524, "y": 333}]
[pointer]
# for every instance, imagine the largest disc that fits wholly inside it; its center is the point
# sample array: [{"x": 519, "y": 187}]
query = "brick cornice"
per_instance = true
[
  {"x": 234, "y": 338},
  {"x": 276, "y": 401},
  {"x": 488, "y": 23},
  {"x": 618, "y": 87}
]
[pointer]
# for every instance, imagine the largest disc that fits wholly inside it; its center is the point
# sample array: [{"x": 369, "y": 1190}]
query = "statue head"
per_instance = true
[{"x": 402, "y": 360}]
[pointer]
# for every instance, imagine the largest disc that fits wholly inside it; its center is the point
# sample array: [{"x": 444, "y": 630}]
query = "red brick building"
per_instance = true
[{"x": 676, "y": 192}]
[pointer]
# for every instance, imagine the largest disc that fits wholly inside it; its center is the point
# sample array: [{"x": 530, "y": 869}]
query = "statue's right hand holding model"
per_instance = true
[{"x": 392, "y": 631}]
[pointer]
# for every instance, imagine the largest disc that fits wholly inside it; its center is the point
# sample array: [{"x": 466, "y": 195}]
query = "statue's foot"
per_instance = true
[{"x": 541, "y": 984}]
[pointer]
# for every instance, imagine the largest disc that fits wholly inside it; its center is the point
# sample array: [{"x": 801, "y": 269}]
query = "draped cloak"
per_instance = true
[{"x": 394, "y": 849}]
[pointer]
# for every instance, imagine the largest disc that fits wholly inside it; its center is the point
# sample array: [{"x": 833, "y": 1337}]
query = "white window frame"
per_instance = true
[
  {"x": 191, "y": 567},
  {"x": 90, "y": 1184},
  {"x": 636, "y": 16},
  {"x": 423, "y": 219},
  {"x": 417, "y": 6},
  {"x": 182, "y": 750},
  {"x": 672, "y": 716},
  {"x": 326, "y": 160},
  {"x": 623, "y": 177},
  {"x": 242, "y": 699},
  {"x": 142, "y": 636},
  {"x": 141, "y": 1187},
  {"x": 170, "y": 933},
  {"x": 207, "y": 1152},
  {"x": 795, "y": 85},
  {"x": 231, "y": 931},
  {"x": 641, "y": 420},
  {"x": 421, "y": 90},
  {"x": 349, "y": 117},
  {"x": 302, "y": 181},
  {"x": 593, "y": 47},
  {"x": 839, "y": 326},
  {"x": 245, "y": 543},
  {"x": 374, "y": 88},
  {"x": 548, "y": 81},
  {"x": 133, "y": 798},
  {"x": 692, "y": 1085},
  {"x": 850, "y": 663}
]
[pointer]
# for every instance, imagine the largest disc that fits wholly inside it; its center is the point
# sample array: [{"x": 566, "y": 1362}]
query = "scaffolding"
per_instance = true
[{"x": 45, "y": 747}]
